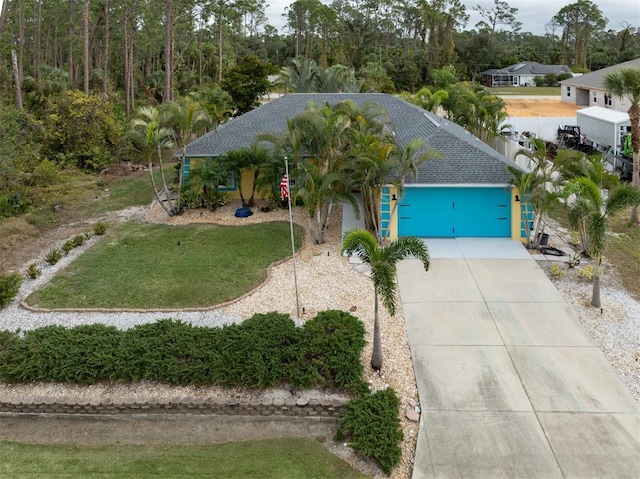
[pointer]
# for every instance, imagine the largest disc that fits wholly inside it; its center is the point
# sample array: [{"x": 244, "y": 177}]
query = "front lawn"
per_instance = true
[
  {"x": 273, "y": 458},
  {"x": 167, "y": 267}
]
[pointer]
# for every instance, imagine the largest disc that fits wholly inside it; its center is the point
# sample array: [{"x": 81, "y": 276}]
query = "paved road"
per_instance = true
[{"x": 510, "y": 383}]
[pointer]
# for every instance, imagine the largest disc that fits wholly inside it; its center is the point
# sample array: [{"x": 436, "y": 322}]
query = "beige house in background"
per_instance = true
[{"x": 588, "y": 89}]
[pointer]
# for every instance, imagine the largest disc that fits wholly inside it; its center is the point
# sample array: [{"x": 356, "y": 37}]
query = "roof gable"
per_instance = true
[
  {"x": 467, "y": 159},
  {"x": 596, "y": 79}
]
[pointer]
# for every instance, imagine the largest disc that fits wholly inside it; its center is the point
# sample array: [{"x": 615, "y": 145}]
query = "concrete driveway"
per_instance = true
[{"x": 510, "y": 383}]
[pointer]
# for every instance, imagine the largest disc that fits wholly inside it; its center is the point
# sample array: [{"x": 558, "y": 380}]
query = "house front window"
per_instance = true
[{"x": 568, "y": 92}]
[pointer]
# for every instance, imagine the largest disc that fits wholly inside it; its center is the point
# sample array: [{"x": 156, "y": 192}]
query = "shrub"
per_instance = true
[
  {"x": 265, "y": 350},
  {"x": 33, "y": 271},
  {"x": 9, "y": 287},
  {"x": 99, "y": 228},
  {"x": 78, "y": 240},
  {"x": 53, "y": 256},
  {"x": 333, "y": 343},
  {"x": 556, "y": 271},
  {"x": 67, "y": 246},
  {"x": 371, "y": 423},
  {"x": 587, "y": 272}
]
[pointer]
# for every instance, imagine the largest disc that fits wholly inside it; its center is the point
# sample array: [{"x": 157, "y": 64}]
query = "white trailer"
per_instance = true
[{"x": 603, "y": 128}]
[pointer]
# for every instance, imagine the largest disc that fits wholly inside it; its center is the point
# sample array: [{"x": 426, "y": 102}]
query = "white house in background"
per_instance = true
[
  {"x": 521, "y": 74},
  {"x": 589, "y": 90}
]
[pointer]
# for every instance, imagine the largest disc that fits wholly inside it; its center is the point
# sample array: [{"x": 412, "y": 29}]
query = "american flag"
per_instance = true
[{"x": 284, "y": 187}]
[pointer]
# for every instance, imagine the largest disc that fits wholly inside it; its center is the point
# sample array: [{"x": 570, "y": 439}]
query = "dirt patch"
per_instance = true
[{"x": 528, "y": 107}]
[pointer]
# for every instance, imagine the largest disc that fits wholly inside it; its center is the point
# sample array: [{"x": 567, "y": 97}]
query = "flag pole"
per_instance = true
[{"x": 293, "y": 244}]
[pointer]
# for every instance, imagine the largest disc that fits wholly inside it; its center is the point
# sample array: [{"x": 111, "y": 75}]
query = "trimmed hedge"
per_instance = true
[
  {"x": 372, "y": 424},
  {"x": 265, "y": 350}
]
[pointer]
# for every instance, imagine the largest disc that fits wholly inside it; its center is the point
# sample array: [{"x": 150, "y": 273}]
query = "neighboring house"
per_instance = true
[
  {"x": 589, "y": 90},
  {"x": 521, "y": 74},
  {"x": 465, "y": 195}
]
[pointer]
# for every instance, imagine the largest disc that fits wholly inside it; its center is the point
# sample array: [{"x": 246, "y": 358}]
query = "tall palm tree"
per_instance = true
[
  {"x": 625, "y": 84},
  {"x": 188, "y": 121},
  {"x": 383, "y": 261},
  {"x": 596, "y": 210},
  {"x": 150, "y": 136}
]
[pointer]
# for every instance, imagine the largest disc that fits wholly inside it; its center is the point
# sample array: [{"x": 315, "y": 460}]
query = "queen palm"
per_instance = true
[
  {"x": 383, "y": 261},
  {"x": 625, "y": 84},
  {"x": 596, "y": 209}
]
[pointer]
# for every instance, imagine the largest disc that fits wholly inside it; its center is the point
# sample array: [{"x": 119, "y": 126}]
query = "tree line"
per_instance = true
[{"x": 141, "y": 50}]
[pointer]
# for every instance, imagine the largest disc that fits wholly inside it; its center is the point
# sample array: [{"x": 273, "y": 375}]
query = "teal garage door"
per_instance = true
[{"x": 455, "y": 212}]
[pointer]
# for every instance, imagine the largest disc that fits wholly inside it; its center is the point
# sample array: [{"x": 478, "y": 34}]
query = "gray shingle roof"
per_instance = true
[
  {"x": 529, "y": 68},
  {"x": 596, "y": 79},
  {"x": 467, "y": 159}
]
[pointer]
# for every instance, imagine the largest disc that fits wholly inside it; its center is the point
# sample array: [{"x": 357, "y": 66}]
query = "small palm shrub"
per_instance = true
[
  {"x": 371, "y": 423},
  {"x": 53, "y": 256},
  {"x": 67, "y": 246},
  {"x": 556, "y": 271},
  {"x": 99, "y": 228},
  {"x": 33, "y": 271},
  {"x": 78, "y": 240},
  {"x": 9, "y": 288},
  {"x": 588, "y": 272}
]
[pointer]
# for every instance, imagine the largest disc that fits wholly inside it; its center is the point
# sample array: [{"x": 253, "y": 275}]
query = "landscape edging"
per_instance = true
[{"x": 225, "y": 406}]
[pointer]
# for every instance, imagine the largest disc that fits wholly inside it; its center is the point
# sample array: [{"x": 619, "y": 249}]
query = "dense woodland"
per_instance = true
[{"x": 73, "y": 73}]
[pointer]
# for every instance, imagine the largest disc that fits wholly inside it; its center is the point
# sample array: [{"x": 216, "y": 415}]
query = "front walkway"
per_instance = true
[{"x": 510, "y": 383}]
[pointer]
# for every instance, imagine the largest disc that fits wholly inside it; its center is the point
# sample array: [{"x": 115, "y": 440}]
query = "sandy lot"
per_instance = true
[{"x": 545, "y": 107}]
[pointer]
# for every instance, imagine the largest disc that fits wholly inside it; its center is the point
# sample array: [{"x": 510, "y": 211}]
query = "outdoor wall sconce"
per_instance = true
[
  {"x": 394, "y": 198},
  {"x": 517, "y": 198}
]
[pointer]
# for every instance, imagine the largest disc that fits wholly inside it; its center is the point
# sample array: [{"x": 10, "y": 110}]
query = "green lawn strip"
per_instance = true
[
  {"x": 160, "y": 266},
  {"x": 273, "y": 458},
  {"x": 525, "y": 90},
  {"x": 623, "y": 251}
]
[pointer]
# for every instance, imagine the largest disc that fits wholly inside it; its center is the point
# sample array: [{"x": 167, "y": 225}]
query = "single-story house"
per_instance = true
[
  {"x": 468, "y": 194},
  {"x": 589, "y": 90},
  {"x": 521, "y": 74}
]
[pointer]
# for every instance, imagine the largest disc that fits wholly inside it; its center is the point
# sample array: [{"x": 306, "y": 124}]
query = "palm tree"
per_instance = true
[
  {"x": 577, "y": 165},
  {"x": 319, "y": 189},
  {"x": 301, "y": 77},
  {"x": 150, "y": 136},
  {"x": 188, "y": 121},
  {"x": 539, "y": 192},
  {"x": 625, "y": 84},
  {"x": 596, "y": 210},
  {"x": 383, "y": 261}
]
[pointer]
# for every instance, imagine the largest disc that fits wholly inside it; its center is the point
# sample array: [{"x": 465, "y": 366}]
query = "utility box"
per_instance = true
[{"x": 603, "y": 128}]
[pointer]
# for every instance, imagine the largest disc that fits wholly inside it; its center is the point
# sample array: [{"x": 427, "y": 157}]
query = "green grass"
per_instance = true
[
  {"x": 622, "y": 249},
  {"x": 160, "y": 266},
  {"x": 273, "y": 458},
  {"x": 525, "y": 90}
]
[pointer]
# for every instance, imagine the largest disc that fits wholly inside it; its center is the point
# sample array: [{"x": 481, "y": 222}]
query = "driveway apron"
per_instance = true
[{"x": 510, "y": 383}]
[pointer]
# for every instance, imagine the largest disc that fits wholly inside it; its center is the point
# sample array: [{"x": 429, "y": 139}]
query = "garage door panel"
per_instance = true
[{"x": 455, "y": 212}]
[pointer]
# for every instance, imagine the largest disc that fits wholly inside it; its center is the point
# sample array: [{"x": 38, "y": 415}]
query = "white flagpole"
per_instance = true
[{"x": 293, "y": 244}]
